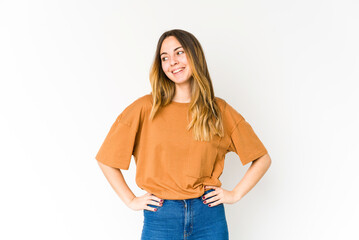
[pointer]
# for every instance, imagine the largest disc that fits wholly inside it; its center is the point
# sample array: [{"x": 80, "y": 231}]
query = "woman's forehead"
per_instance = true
[{"x": 170, "y": 44}]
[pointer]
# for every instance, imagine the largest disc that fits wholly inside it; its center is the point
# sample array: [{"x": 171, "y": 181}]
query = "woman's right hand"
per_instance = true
[{"x": 140, "y": 203}]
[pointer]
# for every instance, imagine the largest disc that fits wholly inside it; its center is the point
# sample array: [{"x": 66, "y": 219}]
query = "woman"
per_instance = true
[{"x": 179, "y": 135}]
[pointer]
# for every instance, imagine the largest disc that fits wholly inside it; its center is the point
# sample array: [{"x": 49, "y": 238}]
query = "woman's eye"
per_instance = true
[{"x": 164, "y": 58}]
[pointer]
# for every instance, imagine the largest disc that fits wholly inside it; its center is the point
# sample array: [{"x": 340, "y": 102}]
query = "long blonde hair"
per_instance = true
[{"x": 206, "y": 116}]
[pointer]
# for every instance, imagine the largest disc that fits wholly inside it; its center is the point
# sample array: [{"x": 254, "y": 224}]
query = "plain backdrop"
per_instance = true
[{"x": 68, "y": 68}]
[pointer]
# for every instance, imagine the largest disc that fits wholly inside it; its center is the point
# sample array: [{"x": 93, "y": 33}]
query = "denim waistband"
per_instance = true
[{"x": 191, "y": 199}]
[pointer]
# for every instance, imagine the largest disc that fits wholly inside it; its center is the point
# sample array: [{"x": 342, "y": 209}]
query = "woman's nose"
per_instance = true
[{"x": 173, "y": 61}]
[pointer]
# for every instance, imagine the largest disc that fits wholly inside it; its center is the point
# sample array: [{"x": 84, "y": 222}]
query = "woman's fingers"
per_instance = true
[
  {"x": 153, "y": 202},
  {"x": 212, "y": 200},
  {"x": 156, "y": 198},
  {"x": 150, "y": 208}
]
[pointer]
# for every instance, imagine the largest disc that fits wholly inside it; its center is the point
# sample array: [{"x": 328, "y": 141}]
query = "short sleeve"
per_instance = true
[
  {"x": 243, "y": 140},
  {"x": 245, "y": 143},
  {"x": 119, "y": 144}
]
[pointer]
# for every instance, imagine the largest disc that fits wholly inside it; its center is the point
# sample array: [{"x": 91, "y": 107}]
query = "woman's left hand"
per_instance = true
[{"x": 218, "y": 196}]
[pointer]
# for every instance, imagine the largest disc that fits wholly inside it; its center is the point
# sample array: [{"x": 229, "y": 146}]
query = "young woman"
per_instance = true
[{"x": 179, "y": 135}]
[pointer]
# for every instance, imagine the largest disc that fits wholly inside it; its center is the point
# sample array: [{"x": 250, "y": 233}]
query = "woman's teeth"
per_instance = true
[{"x": 179, "y": 70}]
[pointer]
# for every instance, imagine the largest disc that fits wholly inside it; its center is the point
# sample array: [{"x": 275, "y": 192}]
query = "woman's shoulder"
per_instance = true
[
  {"x": 141, "y": 102},
  {"x": 231, "y": 116},
  {"x": 221, "y": 103},
  {"x": 136, "y": 109}
]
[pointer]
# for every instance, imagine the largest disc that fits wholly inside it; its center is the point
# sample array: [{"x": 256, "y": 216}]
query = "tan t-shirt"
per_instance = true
[{"x": 169, "y": 163}]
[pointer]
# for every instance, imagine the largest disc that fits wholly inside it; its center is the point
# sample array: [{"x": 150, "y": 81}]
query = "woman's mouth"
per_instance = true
[{"x": 178, "y": 71}]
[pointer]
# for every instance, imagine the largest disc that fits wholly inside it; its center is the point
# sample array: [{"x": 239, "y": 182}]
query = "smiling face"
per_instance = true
[{"x": 174, "y": 61}]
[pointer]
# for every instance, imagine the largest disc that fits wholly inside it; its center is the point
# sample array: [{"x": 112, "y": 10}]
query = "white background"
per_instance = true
[{"x": 68, "y": 68}]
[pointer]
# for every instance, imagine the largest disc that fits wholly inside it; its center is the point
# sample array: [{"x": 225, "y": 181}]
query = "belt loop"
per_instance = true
[{"x": 184, "y": 202}]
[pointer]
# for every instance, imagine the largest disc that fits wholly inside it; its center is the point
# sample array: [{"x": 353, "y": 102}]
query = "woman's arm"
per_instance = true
[
  {"x": 115, "y": 178},
  {"x": 254, "y": 173}
]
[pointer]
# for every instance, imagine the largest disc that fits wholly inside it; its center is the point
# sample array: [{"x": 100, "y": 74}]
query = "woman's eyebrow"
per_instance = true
[{"x": 173, "y": 50}]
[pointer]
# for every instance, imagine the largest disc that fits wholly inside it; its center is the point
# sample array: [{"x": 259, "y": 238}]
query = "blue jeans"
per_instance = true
[{"x": 188, "y": 219}]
